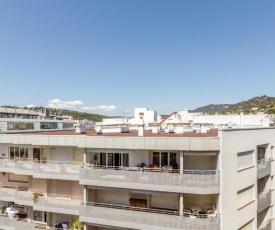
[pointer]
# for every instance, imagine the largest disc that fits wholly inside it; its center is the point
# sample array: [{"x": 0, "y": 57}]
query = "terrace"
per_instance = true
[
  {"x": 159, "y": 179},
  {"x": 145, "y": 218}
]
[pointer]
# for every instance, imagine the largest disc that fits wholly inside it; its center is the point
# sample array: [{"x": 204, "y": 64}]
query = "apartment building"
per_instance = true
[{"x": 221, "y": 179}]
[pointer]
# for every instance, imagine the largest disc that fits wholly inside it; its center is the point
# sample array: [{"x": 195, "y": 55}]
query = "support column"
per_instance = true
[
  {"x": 85, "y": 194},
  {"x": 85, "y": 156},
  {"x": 181, "y": 205},
  {"x": 181, "y": 162}
]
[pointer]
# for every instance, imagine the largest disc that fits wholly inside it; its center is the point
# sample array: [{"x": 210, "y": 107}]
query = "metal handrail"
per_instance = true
[
  {"x": 148, "y": 169},
  {"x": 148, "y": 210}
]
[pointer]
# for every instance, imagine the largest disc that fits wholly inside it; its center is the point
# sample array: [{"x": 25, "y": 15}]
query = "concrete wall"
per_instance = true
[
  {"x": 232, "y": 181},
  {"x": 113, "y": 197}
]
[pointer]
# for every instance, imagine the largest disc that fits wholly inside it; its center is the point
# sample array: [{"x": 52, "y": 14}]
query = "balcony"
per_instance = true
[
  {"x": 264, "y": 201},
  {"x": 7, "y": 165},
  {"x": 58, "y": 203},
  {"x": 23, "y": 196},
  {"x": 7, "y": 192},
  {"x": 264, "y": 167},
  {"x": 57, "y": 170},
  {"x": 143, "y": 218},
  {"x": 265, "y": 226},
  {"x": 24, "y": 167},
  {"x": 7, "y": 223},
  {"x": 167, "y": 180}
]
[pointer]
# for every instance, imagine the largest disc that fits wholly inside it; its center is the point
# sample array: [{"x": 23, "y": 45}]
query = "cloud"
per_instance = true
[
  {"x": 30, "y": 106},
  {"x": 78, "y": 105},
  {"x": 59, "y": 104},
  {"x": 105, "y": 108},
  {"x": 89, "y": 108}
]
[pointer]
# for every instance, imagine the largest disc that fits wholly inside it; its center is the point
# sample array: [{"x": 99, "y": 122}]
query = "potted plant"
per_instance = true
[
  {"x": 77, "y": 225},
  {"x": 35, "y": 196}
]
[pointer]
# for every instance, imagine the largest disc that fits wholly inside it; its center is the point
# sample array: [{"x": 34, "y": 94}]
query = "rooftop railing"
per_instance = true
[
  {"x": 59, "y": 201},
  {"x": 155, "y": 176},
  {"x": 149, "y": 217},
  {"x": 264, "y": 200},
  {"x": 264, "y": 167}
]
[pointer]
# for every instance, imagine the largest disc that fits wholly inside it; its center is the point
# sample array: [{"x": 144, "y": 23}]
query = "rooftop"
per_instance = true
[{"x": 131, "y": 133}]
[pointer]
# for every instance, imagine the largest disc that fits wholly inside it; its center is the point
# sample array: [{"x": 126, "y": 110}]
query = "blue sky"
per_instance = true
[{"x": 111, "y": 56}]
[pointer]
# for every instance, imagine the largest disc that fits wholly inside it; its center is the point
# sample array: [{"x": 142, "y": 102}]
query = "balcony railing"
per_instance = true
[
  {"x": 143, "y": 218},
  {"x": 6, "y": 221},
  {"x": 57, "y": 170},
  {"x": 264, "y": 167},
  {"x": 58, "y": 203},
  {"x": 25, "y": 224},
  {"x": 265, "y": 226},
  {"x": 7, "y": 192},
  {"x": 264, "y": 200},
  {"x": 7, "y": 165},
  {"x": 158, "y": 176},
  {"x": 25, "y": 166},
  {"x": 24, "y": 196}
]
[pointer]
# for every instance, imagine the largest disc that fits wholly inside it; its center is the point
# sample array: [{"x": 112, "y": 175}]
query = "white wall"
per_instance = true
[{"x": 232, "y": 181}]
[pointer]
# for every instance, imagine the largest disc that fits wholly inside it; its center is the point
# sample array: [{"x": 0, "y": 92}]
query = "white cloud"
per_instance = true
[
  {"x": 105, "y": 108},
  {"x": 78, "y": 105},
  {"x": 89, "y": 108},
  {"x": 30, "y": 106},
  {"x": 59, "y": 104}
]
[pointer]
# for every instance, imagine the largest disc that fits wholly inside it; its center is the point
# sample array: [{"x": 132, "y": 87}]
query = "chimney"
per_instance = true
[
  {"x": 79, "y": 127},
  {"x": 241, "y": 119},
  {"x": 141, "y": 128}
]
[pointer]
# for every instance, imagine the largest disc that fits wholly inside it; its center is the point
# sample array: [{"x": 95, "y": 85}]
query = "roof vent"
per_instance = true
[{"x": 79, "y": 128}]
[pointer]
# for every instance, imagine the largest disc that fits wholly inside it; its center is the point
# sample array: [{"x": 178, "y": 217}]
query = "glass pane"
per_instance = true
[
  {"x": 36, "y": 154},
  {"x": 16, "y": 152},
  {"x": 21, "y": 149},
  {"x": 164, "y": 159},
  {"x": 37, "y": 215},
  {"x": 156, "y": 158},
  {"x": 103, "y": 158},
  {"x": 125, "y": 160},
  {"x": 110, "y": 159},
  {"x": 11, "y": 152},
  {"x": 173, "y": 160}
]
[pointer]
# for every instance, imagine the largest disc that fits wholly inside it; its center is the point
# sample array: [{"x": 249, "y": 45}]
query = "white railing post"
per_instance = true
[
  {"x": 181, "y": 162},
  {"x": 181, "y": 205}
]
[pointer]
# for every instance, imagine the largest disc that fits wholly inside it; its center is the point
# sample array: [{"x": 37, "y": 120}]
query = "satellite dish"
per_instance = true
[{"x": 230, "y": 124}]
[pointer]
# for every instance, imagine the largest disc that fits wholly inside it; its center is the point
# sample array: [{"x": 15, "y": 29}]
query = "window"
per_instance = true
[
  {"x": 18, "y": 152},
  {"x": 165, "y": 158},
  {"x": 245, "y": 196},
  {"x": 114, "y": 159},
  {"x": 245, "y": 159}
]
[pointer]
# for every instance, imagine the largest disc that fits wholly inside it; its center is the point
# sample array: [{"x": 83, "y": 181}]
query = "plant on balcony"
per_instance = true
[
  {"x": 77, "y": 225},
  {"x": 35, "y": 196}
]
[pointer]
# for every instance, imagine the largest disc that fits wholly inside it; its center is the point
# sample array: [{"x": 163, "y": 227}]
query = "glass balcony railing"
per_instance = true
[
  {"x": 264, "y": 167},
  {"x": 264, "y": 200}
]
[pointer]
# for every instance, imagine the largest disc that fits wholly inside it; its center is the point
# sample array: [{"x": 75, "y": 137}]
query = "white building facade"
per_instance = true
[{"x": 222, "y": 179}]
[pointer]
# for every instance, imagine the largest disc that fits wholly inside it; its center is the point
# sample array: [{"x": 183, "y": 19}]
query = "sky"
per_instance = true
[{"x": 111, "y": 56}]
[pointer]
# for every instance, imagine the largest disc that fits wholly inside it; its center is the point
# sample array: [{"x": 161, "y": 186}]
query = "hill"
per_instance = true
[
  {"x": 211, "y": 109},
  {"x": 254, "y": 105},
  {"x": 76, "y": 115}
]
